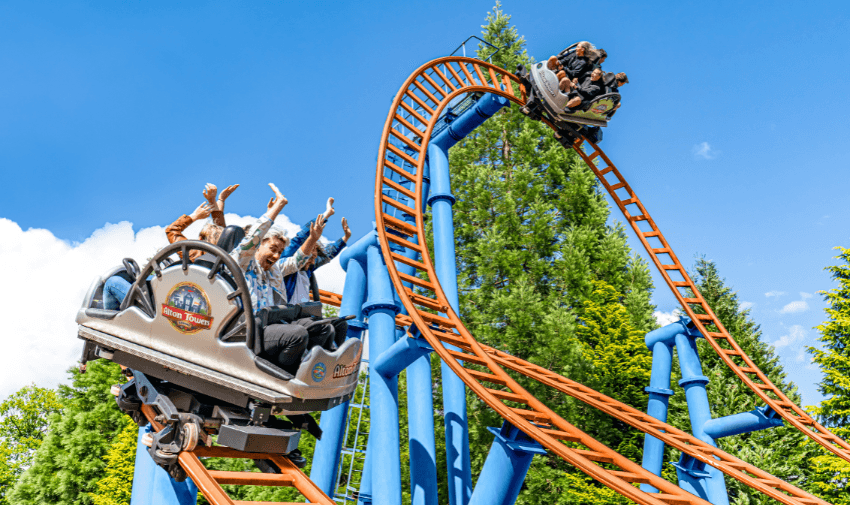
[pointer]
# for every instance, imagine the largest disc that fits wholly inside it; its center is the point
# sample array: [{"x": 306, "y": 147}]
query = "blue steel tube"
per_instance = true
[
  {"x": 454, "y": 391},
  {"x": 659, "y": 396},
  {"x": 327, "y": 452},
  {"x": 505, "y": 468},
  {"x": 441, "y": 202},
  {"x": 761, "y": 418},
  {"x": 153, "y": 486},
  {"x": 381, "y": 309},
  {"x": 420, "y": 402},
  {"x": 714, "y": 486}
]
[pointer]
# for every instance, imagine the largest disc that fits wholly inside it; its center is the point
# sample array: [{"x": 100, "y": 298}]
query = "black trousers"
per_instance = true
[{"x": 286, "y": 343}]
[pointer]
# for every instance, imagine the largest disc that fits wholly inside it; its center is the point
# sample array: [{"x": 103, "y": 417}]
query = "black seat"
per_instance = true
[{"x": 230, "y": 238}]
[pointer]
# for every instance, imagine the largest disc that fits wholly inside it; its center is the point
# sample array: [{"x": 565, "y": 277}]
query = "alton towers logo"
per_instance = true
[{"x": 187, "y": 308}]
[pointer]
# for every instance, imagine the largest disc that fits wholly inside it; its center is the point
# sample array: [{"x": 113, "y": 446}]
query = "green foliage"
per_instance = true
[
  {"x": 70, "y": 460},
  {"x": 833, "y": 473},
  {"x": 619, "y": 365},
  {"x": 23, "y": 424},
  {"x": 783, "y": 451},
  {"x": 116, "y": 486}
]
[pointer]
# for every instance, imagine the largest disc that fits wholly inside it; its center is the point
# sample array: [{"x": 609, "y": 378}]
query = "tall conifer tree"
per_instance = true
[
  {"x": 541, "y": 269},
  {"x": 833, "y": 473}
]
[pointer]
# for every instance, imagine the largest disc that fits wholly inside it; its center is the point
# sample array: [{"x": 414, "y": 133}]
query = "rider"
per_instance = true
[
  {"x": 260, "y": 257},
  {"x": 592, "y": 87},
  {"x": 573, "y": 66}
]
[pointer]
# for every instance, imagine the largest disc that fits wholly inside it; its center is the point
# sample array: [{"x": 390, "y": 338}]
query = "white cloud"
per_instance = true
[
  {"x": 794, "y": 307},
  {"x": 805, "y": 296},
  {"x": 705, "y": 151},
  {"x": 665, "y": 318},
  {"x": 747, "y": 305},
  {"x": 796, "y": 333},
  {"x": 774, "y": 293},
  {"x": 46, "y": 278}
]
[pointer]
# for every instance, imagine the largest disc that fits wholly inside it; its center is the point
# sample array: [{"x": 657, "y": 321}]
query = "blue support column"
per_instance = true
[
  {"x": 153, "y": 486},
  {"x": 381, "y": 309},
  {"x": 659, "y": 396},
  {"x": 506, "y": 466},
  {"x": 364, "y": 494},
  {"x": 694, "y": 476},
  {"x": 441, "y": 202},
  {"x": 420, "y": 419},
  {"x": 326, "y": 455}
]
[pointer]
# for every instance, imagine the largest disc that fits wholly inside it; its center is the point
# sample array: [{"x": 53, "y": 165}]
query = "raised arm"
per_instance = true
[
  {"x": 174, "y": 231},
  {"x": 244, "y": 252},
  {"x": 332, "y": 250},
  {"x": 226, "y": 192},
  {"x": 297, "y": 261},
  {"x": 209, "y": 194}
]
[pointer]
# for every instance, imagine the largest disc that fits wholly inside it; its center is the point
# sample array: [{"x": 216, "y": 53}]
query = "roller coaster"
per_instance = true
[{"x": 408, "y": 301}]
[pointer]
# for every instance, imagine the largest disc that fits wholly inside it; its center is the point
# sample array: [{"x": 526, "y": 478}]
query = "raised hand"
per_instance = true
[
  {"x": 317, "y": 227},
  {"x": 209, "y": 193},
  {"x": 346, "y": 229},
  {"x": 277, "y": 204},
  {"x": 329, "y": 209},
  {"x": 202, "y": 212},
  {"x": 224, "y": 194}
]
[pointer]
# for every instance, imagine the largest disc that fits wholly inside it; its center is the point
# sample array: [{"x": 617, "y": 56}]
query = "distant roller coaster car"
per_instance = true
[
  {"x": 194, "y": 358},
  {"x": 545, "y": 99}
]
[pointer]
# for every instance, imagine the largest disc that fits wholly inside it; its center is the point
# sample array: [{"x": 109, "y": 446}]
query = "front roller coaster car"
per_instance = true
[
  {"x": 182, "y": 334},
  {"x": 545, "y": 99}
]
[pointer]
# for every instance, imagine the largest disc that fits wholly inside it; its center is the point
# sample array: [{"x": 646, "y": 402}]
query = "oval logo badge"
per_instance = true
[
  {"x": 187, "y": 308},
  {"x": 318, "y": 372}
]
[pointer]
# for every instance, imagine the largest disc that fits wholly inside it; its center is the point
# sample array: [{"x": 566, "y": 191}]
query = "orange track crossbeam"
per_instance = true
[{"x": 209, "y": 482}]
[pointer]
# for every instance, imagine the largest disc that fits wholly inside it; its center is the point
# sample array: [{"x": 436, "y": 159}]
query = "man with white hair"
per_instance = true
[{"x": 259, "y": 257}]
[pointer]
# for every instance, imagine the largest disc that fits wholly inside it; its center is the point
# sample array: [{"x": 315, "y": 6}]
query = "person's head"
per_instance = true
[
  {"x": 210, "y": 233},
  {"x": 602, "y": 55},
  {"x": 271, "y": 248},
  {"x": 621, "y": 78},
  {"x": 596, "y": 74},
  {"x": 584, "y": 48}
]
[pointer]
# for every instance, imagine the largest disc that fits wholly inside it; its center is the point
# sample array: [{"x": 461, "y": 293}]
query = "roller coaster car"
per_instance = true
[
  {"x": 545, "y": 99},
  {"x": 182, "y": 334}
]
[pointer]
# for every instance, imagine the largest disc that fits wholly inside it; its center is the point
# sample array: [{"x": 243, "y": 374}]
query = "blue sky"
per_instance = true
[{"x": 732, "y": 130}]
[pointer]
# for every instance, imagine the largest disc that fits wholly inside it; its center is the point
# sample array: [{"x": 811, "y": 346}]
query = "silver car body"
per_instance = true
[
  {"x": 186, "y": 339},
  {"x": 554, "y": 100}
]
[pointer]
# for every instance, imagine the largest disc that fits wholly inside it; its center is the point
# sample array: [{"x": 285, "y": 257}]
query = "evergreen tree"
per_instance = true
[
  {"x": 116, "y": 486},
  {"x": 23, "y": 424},
  {"x": 782, "y": 451},
  {"x": 833, "y": 473},
  {"x": 70, "y": 461}
]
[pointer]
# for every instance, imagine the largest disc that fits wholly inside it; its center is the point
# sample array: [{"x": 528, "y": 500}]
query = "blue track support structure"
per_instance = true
[
  {"x": 694, "y": 476},
  {"x": 659, "y": 397},
  {"x": 441, "y": 202},
  {"x": 506, "y": 466},
  {"x": 381, "y": 309},
  {"x": 153, "y": 486},
  {"x": 327, "y": 453}
]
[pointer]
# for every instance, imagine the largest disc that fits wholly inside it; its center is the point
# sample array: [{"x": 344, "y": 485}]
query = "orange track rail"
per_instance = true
[
  {"x": 411, "y": 120},
  {"x": 209, "y": 481}
]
